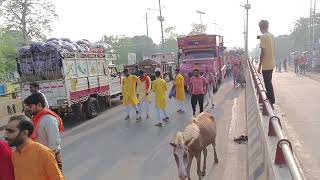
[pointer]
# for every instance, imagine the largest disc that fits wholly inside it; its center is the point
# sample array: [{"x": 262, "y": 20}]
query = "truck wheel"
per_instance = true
[
  {"x": 108, "y": 101},
  {"x": 77, "y": 112},
  {"x": 102, "y": 102},
  {"x": 91, "y": 107}
]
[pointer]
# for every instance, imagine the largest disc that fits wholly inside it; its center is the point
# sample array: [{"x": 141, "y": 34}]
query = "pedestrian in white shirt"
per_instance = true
[
  {"x": 34, "y": 88},
  {"x": 48, "y": 126},
  {"x": 211, "y": 80}
]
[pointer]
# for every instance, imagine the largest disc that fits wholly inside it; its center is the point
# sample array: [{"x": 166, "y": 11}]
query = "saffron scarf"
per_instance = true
[{"x": 36, "y": 120}]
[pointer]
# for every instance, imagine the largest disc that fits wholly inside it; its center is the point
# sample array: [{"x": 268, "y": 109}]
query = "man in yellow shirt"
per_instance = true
[
  {"x": 129, "y": 84},
  {"x": 159, "y": 87},
  {"x": 180, "y": 94},
  {"x": 31, "y": 160},
  {"x": 267, "y": 59}
]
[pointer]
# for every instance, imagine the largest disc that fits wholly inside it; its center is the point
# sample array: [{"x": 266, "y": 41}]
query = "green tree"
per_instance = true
[
  {"x": 283, "y": 48},
  {"x": 144, "y": 46},
  {"x": 170, "y": 32},
  {"x": 140, "y": 45},
  {"x": 198, "y": 29},
  {"x": 33, "y": 18},
  {"x": 8, "y": 54}
]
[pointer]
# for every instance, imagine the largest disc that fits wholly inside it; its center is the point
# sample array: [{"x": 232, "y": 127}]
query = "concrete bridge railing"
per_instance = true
[{"x": 270, "y": 154}]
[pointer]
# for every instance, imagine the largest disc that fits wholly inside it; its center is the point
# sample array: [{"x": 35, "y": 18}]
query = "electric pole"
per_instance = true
[
  {"x": 312, "y": 40},
  {"x": 247, "y": 7},
  {"x": 147, "y": 25},
  {"x": 161, "y": 19}
]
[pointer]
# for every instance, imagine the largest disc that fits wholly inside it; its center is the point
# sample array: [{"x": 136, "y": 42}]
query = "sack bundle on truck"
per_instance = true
[{"x": 72, "y": 75}]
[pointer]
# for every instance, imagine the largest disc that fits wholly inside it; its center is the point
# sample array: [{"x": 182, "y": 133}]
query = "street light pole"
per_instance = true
[
  {"x": 201, "y": 13},
  {"x": 247, "y": 7},
  {"x": 215, "y": 27},
  {"x": 147, "y": 25},
  {"x": 247, "y": 30},
  {"x": 161, "y": 19}
]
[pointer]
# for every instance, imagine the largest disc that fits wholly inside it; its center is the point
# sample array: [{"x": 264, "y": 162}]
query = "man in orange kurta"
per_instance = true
[{"x": 31, "y": 160}]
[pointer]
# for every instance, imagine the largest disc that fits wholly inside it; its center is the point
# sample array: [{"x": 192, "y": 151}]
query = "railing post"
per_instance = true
[
  {"x": 279, "y": 159},
  {"x": 271, "y": 131}
]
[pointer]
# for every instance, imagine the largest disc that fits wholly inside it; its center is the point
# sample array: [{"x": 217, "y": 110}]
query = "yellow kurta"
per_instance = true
[
  {"x": 142, "y": 90},
  {"x": 129, "y": 90},
  {"x": 159, "y": 87},
  {"x": 179, "y": 83}
]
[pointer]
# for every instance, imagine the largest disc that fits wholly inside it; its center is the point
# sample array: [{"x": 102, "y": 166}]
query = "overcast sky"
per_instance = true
[{"x": 80, "y": 19}]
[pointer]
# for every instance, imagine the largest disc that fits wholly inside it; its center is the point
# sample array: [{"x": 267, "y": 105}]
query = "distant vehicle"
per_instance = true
[
  {"x": 201, "y": 52},
  {"x": 80, "y": 82},
  {"x": 165, "y": 61}
]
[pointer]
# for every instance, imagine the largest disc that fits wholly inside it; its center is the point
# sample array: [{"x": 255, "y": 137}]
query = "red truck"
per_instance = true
[{"x": 201, "y": 52}]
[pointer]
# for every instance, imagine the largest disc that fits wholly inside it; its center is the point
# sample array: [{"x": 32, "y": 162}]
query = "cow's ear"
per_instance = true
[{"x": 173, "y": 144}]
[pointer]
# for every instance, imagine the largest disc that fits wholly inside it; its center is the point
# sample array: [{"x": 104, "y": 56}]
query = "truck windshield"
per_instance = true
[{"x": 200, "y": 54}]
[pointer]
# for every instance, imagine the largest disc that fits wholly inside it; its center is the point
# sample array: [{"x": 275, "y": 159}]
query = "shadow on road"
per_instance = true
[{"x": 70, "y": 122}]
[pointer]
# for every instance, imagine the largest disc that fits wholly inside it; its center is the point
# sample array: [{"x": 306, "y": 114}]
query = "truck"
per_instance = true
[
  {"x": 165, "y": 61},
  {"x": 201, "y": 52},
  {"x": 73, "y": 82}
]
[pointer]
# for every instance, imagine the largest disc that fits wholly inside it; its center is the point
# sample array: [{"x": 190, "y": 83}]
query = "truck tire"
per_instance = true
[
  {"x": 171, "y": 74},
  {"x": 103, "y": 102},
  {"x": 91, "y": 107},
  {"x": 77, "y": 112}
]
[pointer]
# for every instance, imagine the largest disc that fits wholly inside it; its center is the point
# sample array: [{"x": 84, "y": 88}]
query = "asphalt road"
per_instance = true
[
  {"x": 108, "y": 147},
  {"x": 297, "y": 100}
]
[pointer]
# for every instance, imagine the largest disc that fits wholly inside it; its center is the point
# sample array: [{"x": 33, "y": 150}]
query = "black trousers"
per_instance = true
[
  {"x": 296, "y": 68},
  {"x": 267, "y": 77},
  {"x": 194, "y": 100}
]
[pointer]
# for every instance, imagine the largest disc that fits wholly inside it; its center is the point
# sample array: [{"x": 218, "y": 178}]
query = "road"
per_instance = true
[
  {"x": 108, "y": 147},
  {"x": 297, "y": 100}
]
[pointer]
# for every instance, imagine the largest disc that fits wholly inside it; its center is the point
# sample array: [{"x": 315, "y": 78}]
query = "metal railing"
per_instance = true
[{"x": 284, "y": 153}]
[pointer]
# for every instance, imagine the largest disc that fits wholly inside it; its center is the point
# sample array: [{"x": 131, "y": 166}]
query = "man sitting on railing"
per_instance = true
[{"x": 267, "y": 59}]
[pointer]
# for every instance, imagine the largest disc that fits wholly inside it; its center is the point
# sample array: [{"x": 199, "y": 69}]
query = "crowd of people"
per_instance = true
[
  {"x": 136, "y": 88},
  {"x": 300, "y": 64},
  {"x": 37, "y": 142}
]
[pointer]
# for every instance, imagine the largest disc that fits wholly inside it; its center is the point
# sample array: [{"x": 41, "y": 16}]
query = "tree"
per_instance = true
[
  {"x": 8, "y": 53},
  {"x": 170, "y": 32},
  {"x": 283, "y": 47},
  {"x": 140, "y": 45},
  {"x": 198, "y": 29},
  {"x": 33, "y": 18}
]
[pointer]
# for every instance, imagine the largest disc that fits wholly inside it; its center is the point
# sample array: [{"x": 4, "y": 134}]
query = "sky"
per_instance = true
[{"x": 92, "y": 19}]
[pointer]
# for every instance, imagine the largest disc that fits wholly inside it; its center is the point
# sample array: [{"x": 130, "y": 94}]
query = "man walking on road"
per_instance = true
[
  {"x": 6, "y": 167},
  {"x": 211, "y": 82},
  {"x": 47, "y": 125},
  {"x": 267, "y": 59},
  {"x": 35, "y": 88},
  {"x": 129, "y": 94},
  {"x": 198, "y": 87},
  {"x": 143, "y": 90},
  {"x": 159, "y": 87},
  {"x": 180, "y": 93},
  {"x": 31, "y": 160}
]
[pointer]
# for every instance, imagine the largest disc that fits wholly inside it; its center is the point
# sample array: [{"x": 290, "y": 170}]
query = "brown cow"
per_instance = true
[{"x": 192, "y": 141}]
